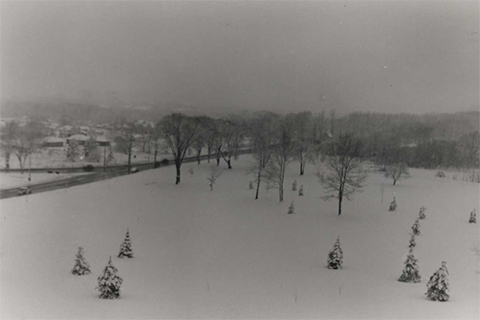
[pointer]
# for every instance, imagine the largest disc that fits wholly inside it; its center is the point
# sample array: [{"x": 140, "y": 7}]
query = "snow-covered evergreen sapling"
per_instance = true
[
  {"x": 109, "y": 283},
  {"x": 300, "y": 191},
  {"x": 473, "y": 217},
  {"x": 393, "y": 205},
  {"x": 438, "y": 286},
  {"x": 416, "y": 228},
  {"x": 421, "y": 214},
  {"x": 410, "y": 273},
  {"x": 294, "y": 185},
  {"x": 191, "y": 171},
  {"x": 126, "y": 247},
  {"x": 335, "y": 257},
  {"x": 250, "y": 184},
  {"x": 81, "y": 265},
  {"x": 291, "y": 208},
  {"x": 412, "y": 243}
]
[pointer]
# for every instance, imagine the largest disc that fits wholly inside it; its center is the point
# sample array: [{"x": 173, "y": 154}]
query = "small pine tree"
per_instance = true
[
  {"x": 250, "y": 184},
  {"x": 335, "y": 257},
  {"x": 300, "y": 191},
  {"x": 421, "y": 214},
  {"x": 81, "y": 265},
  {"x": 438, "y": 286},
  {"x": 473, "y": 217},
  {"x": 109, "y": 283},
  {"x": 126, "y": 247},
  {"x": 412, "y": 243},
  {"x": 393, "y": 205},
  {"x": 416, "y": 228},
  {"x": 190, "y": 171},
  {"x": 410, "y": 273},
  {"x": 294, "y": 185},
  {"x": 291, "y": 208}
]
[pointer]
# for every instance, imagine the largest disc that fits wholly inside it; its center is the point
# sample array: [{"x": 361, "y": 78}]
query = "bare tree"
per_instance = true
[
  {"x": 155, "y": 142},
  {"x": 125, "y": 141},
  {"x": 305, "y": 147},
  {"x": 470, "y": 149},
  {"x": 345, "y": 174},
  {"x": 28, "y": 140},
  {"x": 145, "y": 130},
  {"x": 213, "y": 176},
  {"x": 201, "y": 137},
  {"x": 8, "y": 135},
  {"x": 178, "y": 131},
  {"x": 262, "y": 133},
  {"x": 274, "y": 173},
  {"x": 397, "y": 171}
]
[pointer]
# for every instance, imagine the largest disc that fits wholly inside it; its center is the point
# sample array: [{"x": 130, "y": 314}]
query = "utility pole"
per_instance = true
[
  {"x": 104, "y": 159},
  {"x": 30, "y": 167}
]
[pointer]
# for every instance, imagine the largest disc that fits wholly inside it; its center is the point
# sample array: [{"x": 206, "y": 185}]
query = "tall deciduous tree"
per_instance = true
[
  {"x": 470, "y": 149},
  {"x": 178, "y": 131},
  {"x": 28, "y": 140},
  {"x": 344, "y": 173},
  {"x": 304, "y": 135},
  {"x": 262, "y": 135},
  {"x": 201, "y": 136},
  {"x": 155, "y": 142},
  {"x": 274, "y": 173},
  {"x": 125, "y": 141},
  {"x": 8, "y": 135}
]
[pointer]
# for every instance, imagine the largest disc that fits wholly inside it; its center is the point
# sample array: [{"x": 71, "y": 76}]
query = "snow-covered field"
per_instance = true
[{"x": 220, "y": 254}]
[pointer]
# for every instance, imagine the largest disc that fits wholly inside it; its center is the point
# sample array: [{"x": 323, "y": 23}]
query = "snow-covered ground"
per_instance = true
[
  {"x": 220, "y": 254},
  {"x": 16, "y": 179}
]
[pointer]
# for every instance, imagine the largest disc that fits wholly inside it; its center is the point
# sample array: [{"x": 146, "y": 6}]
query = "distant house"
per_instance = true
[
  {"x": 80, "y": 138},
  {"x": 103, "y": 142},
  {"x": 85, "y": 130},
  {"x": 53, "y": 142},
  {"x": 65, "y": 131}
]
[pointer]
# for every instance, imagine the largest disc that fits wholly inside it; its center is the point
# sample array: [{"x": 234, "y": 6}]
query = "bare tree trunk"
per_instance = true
[
  {"x": 229, "y": 161},
  {"x": 280, "y": 192},
  {"x": 218, "y": 158},
  {"x": 177, "y": 165},
  {"x": 280, "y": 182},
  {"x": 155, "y": 158},
  {"x": 7, "y": 161},
  {"x": 129, "y": 161},
  {"x": 340, "y": 198},
  {"x": 258, "y": 180},
  {"x": 199, "y": 152},
  {"x": 302, "y": 168},
  {"x": 22, "y": 163}
]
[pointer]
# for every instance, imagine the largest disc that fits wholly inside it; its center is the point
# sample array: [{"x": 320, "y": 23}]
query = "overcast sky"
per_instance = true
[{"x": 355, "y": 55}]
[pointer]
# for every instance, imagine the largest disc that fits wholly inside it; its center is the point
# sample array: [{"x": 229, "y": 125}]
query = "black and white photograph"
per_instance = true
[{"x": 239, "y": 159}]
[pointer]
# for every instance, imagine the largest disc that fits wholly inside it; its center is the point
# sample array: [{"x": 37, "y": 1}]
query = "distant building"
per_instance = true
[
  {"x": 53, "y": 142},
  {"x": 103, "y": 142},
  {"x": 80, "y": 138}
]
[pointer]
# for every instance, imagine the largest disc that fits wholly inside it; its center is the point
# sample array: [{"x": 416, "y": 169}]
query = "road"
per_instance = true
[{"x": 98, "y": 174}]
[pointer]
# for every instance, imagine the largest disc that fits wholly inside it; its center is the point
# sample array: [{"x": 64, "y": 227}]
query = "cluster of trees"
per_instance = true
[{"x": 21, "y": 141}]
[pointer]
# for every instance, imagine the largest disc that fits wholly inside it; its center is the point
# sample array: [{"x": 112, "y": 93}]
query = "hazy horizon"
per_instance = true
[{"x": 412, "y": 57}]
